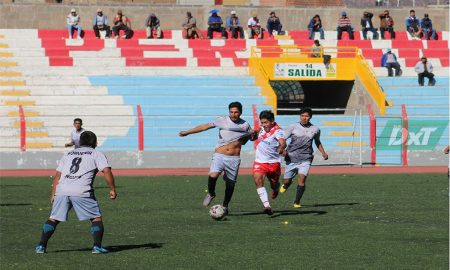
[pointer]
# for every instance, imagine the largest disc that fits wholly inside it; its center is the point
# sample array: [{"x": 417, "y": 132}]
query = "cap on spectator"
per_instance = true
[
  {"x": 233, "y": 12},
  {"x": 99, "y": 10},
  {"x": 388, "y": 49},
  {"x": 73, "y": 10},
  {"x": 344, "y": 13},
  {"x": 152, "y": 15},
  {"x": 119, "y": 11},
  {"x": 254, "y": 14}
]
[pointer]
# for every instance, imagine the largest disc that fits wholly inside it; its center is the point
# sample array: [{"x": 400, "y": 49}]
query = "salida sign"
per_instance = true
[
  {"x": 422, "y": 134},
  {"x": 304, "y": 70}
]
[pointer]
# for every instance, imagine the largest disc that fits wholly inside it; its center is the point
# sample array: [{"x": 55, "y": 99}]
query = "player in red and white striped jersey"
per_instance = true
[{"x": 270, "y": 148}]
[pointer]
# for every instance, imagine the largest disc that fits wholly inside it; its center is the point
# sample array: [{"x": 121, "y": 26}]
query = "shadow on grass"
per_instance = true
[
  {"x": 14, "y": 204},
  {"x": 282, "y": 213},
  {"x": 119, "y": 248},
  {"x": 330, "y": 204},
  {"x": 13, "y": 186}
]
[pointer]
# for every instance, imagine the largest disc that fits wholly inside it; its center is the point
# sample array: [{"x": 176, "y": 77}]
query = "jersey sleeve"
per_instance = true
[
  {"x": 288, "y": 132},
  {"x": 101, "y": 161},
  {"x": 280, "y": 134},
  {"x": 317, "y": 137},
  {"x": 219, "y": 122}
]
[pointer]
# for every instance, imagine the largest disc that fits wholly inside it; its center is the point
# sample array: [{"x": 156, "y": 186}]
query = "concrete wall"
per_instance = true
[{"x": 52, "y": 16}]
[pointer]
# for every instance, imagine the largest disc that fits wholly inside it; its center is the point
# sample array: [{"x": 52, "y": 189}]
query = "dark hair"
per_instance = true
[
  {"x": 316, "y": 16},
  {"x": 267, "y": 114},
  {"x": 317, "y": 42},
  {"x": 235, "y": 104},
  {"x": 78, "y": 120},
  {"x": 306, "y": 110},
  {"x": 88, "y": 138},
  {"x": 273, "y": 12},
  {"x": 189, "y": 13},
  {"x": 425, "y": 15},
  {"x": 412, "y": 10}
]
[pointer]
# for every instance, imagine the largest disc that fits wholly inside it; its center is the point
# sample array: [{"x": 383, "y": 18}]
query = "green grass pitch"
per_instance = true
[{"x": 347, "y": 222}]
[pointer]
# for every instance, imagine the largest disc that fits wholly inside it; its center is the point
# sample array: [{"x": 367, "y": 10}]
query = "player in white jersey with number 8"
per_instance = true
[
  {"x": 271, "y": 145},
  {"x": 73, "y": 188}
]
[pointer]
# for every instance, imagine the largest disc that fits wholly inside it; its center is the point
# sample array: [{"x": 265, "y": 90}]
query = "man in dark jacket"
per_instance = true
[
  {"x": 367, "y": 25},
  {"x": 273, "y": 24},
  {"x": 151, "y": 24},
  {"x": 427, "y": 28}
]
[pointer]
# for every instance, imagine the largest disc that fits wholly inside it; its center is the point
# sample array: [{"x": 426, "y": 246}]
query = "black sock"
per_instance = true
[
  {"x": 212, "y": 186},
  {"x": 47, "y": 231},
  {"x": 97, "y": 232},
  {"x": 286, "y": 186},
  {"x": 300, "y": 191},
  {"x": 274, "y": 185},
  {"x": 229, "y": 189}
]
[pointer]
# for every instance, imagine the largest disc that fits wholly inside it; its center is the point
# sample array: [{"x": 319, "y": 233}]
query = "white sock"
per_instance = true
[{"x": 263, "y": 196}]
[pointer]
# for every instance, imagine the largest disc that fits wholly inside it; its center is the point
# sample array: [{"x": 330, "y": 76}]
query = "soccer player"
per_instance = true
[
  {"x": 75, "y": 135},
  {"x": 233, "y": 133},
  {"x": 300, "y": 153},
  {"x": 267, "y": 161},
  {"x": 72, "y": 188}
]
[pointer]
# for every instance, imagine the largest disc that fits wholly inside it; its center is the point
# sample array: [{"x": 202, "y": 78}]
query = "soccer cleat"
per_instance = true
[
  {"x": 283, "y": 189},
  {"x": 274, "y": 192},
  {"x": 225, "y": 210},
  {"x": 99, "y": 250},
  {"x": 297, "y": 205},
  {"x": 208, "y": 199},
  {"x": 268, "y": 210},
  {"x": 40, "y": 249}
]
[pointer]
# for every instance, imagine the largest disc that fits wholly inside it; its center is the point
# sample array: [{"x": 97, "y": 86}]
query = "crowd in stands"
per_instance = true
[{"x": 416, "y": 27}]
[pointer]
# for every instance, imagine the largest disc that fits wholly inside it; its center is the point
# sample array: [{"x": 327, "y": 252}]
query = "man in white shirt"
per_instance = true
[
  {"x": 73, "y": 188},
  {"x": 270, "y": 145},
  {"x": 73, "y": 23},
  {"x": 234, "y": 132},
  {"x": 425, "y": 69},
  {"x": 76, "y": 133},
  {"x": 254, "y": 27}
]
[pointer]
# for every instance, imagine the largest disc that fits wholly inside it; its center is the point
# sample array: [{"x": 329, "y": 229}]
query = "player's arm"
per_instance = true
[
  {"x": 109, "y": 179},
  {"x": 196, "y": 129},
  {"x": 446, "y": 150},
  {"x": 282, "y": 146},
  {"x": 55, "y": 183},
  {"x": 254, "y": 134},
  {"x": 320, "y": 146},
  {"x": 71, "y": 143}
]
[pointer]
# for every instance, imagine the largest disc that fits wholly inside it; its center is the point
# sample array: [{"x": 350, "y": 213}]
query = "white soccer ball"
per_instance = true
[{"x": 217, "y": 212}]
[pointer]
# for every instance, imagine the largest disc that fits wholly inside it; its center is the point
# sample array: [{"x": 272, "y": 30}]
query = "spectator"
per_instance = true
[
  {"x": 315, "y": 25},
  {"x": 413, "y": 25},
  {"x": 73, "y": 23},
  {"x": 316, "y": 49},
  {"x": 254, "y": 27},
  {"x": 215, "y": 25},
  {"x": 151, "y": 24},
  {"x": 101, "y": 24},
  {"x": 425, "y": 69},
  {"x": 427, "y": 28},
  {"x": 190, "y": 27},
  {"x": 234, "y": 26},
  {"x": 367, "y": 25},
  {"x": 273, "y": 24},
  {"x": 386, "y": 24},
  {"x": 344, "y": 25},
  {"x": 389, "y": 61},
  {"x": 121, "y": 22}
]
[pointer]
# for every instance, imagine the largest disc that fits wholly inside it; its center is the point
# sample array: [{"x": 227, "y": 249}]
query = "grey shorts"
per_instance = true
[
  {"x": 85, "y": 207},
  {"x": 293, "y": 169},
  {"x": 229, "y": 165}
]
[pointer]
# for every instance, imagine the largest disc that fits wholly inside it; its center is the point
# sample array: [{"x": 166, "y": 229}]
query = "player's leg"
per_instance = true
[
  {"x": 258, "y": 177},
  {"x": 303, "y": 170},
  {"x": 60, "y": 209},
  {"x": 289, "y": 174},
  {"x": 274, "y": 177},
  {"x": 231, "y": 171},
  {"x": 217, "y": 166},
  {"x": 87, "y": 208}
]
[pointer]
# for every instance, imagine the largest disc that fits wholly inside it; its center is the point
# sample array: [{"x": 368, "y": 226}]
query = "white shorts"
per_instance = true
[
  {"x": 229, "y": 165},
  {"x": 293, "y": 169},
  {"x": 85, "y": 207}
]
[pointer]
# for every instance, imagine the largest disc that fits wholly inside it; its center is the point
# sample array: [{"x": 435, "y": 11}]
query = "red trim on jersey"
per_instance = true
[{"x": 271, "y": 132}]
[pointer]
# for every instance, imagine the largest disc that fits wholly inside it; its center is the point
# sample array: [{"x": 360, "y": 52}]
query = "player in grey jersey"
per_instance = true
[
  {"x": 72, "y": 188},
  {"x": 233, "y": 133},
  {"x": 300, "y": 153}
]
